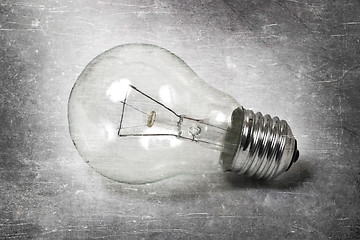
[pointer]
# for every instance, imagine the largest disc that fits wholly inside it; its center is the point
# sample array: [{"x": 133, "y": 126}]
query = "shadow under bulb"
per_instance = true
[{"x": 139, "y": 114}]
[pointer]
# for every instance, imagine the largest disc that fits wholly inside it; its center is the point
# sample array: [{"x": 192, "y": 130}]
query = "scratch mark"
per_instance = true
[
  {"x": 294, "y": 193},
  {"x": 19, "y": 30},
  {"x": 191, "y": 214},
  {"x": 271, "y": 25},
  {"x": 273, "y": 64},
  {"x": 271, "y": 36},
  {"x": 14, "y": 235},
  {"x": 306, "y": 27},
  {"x": 14, "y": 224},
  {"x": 132, "y": 189},
  {"x": 304, "y": 229},
  {"x": 346, "y": 72},
  {"x": 252, "y": 27},
  {"x": 318, "y": 68},
  {"x": 344, "y": 35},
  {"x": 75, "y": 35},
  {"x": 88, "y": 23},
  {"x": 144, "y": 13},
  {"x": 90, "y": 8},
  {"x": 240, "y": 216},
  {"x": 172, "y": 230},
  {"x": 351, "y": 23},
  {"x": 126, "y": 5}
]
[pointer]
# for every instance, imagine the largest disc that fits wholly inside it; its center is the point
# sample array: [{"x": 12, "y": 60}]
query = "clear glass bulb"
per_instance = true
[{"x": 139, "y": 114}]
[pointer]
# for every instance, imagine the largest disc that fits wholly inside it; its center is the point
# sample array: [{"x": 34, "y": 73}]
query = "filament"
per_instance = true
[{"x": 151, "y": 120}]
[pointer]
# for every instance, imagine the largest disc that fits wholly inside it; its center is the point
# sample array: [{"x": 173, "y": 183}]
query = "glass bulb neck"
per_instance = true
[{"x": 266, "y": 146}]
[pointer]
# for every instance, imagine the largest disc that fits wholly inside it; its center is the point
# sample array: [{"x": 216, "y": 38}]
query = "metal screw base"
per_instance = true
[{"x": 267, "y": 147}]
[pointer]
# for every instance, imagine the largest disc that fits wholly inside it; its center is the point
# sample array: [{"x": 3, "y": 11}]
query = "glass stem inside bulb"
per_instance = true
[{"x": 163, "y": 121}]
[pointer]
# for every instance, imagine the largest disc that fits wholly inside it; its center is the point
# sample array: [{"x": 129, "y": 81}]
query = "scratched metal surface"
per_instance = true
[{"x": 295, "y": 59}]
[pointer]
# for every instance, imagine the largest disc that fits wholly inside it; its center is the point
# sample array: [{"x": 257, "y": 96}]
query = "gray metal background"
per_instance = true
[{"x": 295, "y": 59}]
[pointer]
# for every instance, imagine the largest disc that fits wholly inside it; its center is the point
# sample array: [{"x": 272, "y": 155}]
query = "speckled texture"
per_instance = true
[{"x": 295, "y": 59}]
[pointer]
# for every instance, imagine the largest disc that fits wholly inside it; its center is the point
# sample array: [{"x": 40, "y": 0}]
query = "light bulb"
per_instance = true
[{"x": 139, "y": 114}]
